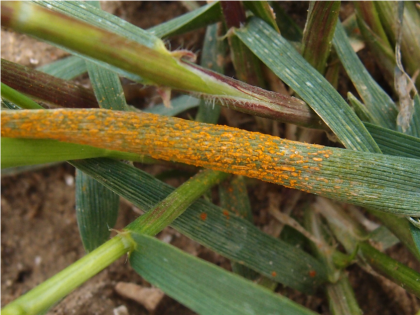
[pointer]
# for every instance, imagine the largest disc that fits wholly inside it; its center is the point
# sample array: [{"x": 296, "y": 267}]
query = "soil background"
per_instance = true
[{"x": 39, "y": 234}]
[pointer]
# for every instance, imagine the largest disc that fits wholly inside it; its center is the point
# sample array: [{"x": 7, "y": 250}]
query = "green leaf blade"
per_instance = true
[
  {"x": 378, "y": 103},
  {"x": 203, "y": 16},
  {"x": 392, "y": 269},
  {"x": 23, "y": 152},
  {"x": 96, "y": 211},
  {"x": 97, "y": 206},
  {"x": 107, "y": 87},
  {"x": 15, "y": 97},
  {"x": 212, "y": 58},
  {"x": 233, "y": 237},
  {"x": 296, "y": 72},
  {"x": 394, "y": 142},
  {"x": 189, "y": 280},
  {"x": 67, "y": 68}
]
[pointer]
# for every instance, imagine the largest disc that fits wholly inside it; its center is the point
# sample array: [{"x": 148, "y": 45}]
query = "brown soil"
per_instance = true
[{"x": 39, "y": 230}]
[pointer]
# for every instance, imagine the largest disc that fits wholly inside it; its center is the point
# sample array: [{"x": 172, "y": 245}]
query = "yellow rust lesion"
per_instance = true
[{"x": 218, "y": 147}]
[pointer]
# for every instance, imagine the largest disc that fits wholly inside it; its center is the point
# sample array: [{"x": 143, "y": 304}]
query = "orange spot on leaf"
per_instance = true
[{"x": 226, "y": 214}]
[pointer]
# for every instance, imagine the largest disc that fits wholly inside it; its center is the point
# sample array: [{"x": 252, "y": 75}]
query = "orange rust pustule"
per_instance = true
[
  {"x": 226, "y": 214},
  {"x": 216, "y": 147},
  {"x": 203, "y": 216}
]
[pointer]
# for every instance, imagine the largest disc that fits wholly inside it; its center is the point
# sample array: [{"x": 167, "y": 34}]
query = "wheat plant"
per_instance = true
[{"x": 373, "y": 163}]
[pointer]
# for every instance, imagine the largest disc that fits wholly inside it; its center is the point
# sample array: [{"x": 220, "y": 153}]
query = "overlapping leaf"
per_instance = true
[
  {"x": 203, "y": 287},
  {"x": 230, "y": 236}
]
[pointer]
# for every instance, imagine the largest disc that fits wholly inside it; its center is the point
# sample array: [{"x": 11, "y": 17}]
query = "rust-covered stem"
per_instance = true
[{"x": 45, "y": 87}]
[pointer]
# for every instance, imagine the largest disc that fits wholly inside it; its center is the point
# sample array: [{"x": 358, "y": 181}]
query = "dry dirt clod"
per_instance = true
[
  {"x": 148, "y": 297},
  {"x": 120, "y": 310}
]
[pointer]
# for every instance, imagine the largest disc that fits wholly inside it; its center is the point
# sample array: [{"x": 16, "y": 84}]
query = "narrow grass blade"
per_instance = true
[
  {"x": 106, "y": 84},
  {"x": 107, "y": 87},
  {"x": 342, "y": 300},
  {"x": 339, "y": 292},
  {"x": 97, "y": 206},
  {"x": 353, "y": 240},
  {"x": 414, "y": 129},
  {"x": 263, "y": 10},
  {"x": 155, "y": 220},
  {"x": 59, "y": 92},
  {"x": 379, "y": 181},
  {"x": 360, "y": 109},
  {"x": 367, "y": 12},
  {"x": 213, "y": 58},
  {"x": 13, "y": 171},
  {"x": 394, "y": 142},
  {"x": 205, "y": 15},
  {"x": 96, "y": 211},
  {"x": 179, "y": 104},
  {"x": 15, "y": 97},
  {"x": 189, "y": 280},
  {"x": 51, "y": 291},
  {"x": 400, "y": 227},
  {"x": 399, "y": 273},
  {"x": 95, "y": 215},
  {"x": 67, "y": 68},
  {"x": 415, "y": 233},
  {"x": 381, "y": 107},
  {"x": 230, "y": 236},
  {"x": 339, "y": 221},
  {"x": 5, "y": 104},
  {"x": 21, "y": 152},
  {"x": 319, "y": 31},
  {"x": 376, "y": 39},
  {"x": 234, "y": 198},
  {"x": 307, "y": 82}
]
